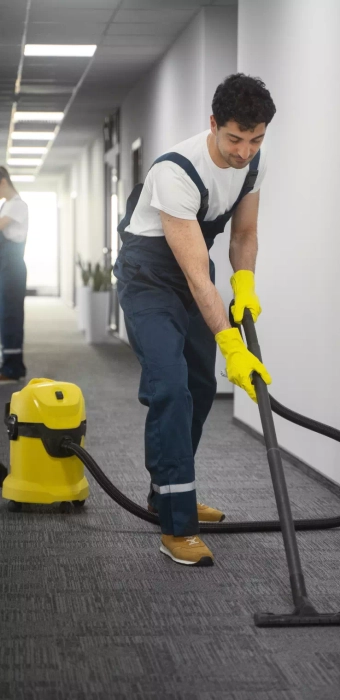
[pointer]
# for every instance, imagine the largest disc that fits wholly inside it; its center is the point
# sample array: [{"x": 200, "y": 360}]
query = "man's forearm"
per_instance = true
[
  {"x": 243, "y": 251},
  {"x": 210, "y": 305}
]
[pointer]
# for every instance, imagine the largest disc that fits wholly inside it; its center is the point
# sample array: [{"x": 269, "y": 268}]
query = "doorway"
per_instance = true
[{"x": 136, "y": 150}]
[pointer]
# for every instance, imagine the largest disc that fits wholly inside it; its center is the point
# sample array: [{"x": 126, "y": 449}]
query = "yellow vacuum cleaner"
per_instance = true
[{"x": 40, "y": 471}]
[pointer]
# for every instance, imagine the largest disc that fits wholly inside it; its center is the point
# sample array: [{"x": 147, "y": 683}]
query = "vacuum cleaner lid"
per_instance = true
[{"x": 58, "y": 405}]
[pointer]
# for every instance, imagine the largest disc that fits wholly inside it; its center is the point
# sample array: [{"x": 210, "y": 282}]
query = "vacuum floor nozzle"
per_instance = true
[{"x": 299, "y": 618}]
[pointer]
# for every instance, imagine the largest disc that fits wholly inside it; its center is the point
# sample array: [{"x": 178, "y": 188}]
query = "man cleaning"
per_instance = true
[{"x": 173, "y": 312}]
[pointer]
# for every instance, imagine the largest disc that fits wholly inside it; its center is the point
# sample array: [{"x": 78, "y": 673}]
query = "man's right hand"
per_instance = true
[{"x": 240, "y": 362}]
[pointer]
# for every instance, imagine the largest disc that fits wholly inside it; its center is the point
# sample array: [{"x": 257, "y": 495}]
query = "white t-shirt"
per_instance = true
[
  {"x": 168, "y": 188},
  {"x": 17, "y": 210}
]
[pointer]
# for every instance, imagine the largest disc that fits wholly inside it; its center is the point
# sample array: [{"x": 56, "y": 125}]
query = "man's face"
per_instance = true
[{"x": 236, "y": 147}]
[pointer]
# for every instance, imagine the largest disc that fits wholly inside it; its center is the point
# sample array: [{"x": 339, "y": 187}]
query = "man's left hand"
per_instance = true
[{"x": 243, "y": 284}]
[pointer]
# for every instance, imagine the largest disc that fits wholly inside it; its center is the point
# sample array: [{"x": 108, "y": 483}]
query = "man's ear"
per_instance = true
[{"x": 213, "y": 124}]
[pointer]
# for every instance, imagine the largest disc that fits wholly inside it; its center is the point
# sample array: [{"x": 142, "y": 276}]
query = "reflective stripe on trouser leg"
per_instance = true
[
  {"x": 174, "y": 488},
  {"x": 14, "y": 351}
]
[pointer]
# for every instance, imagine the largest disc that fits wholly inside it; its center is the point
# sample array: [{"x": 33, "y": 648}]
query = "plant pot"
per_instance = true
[
  {"x": 97, "y": 317},
  {"x": 81, "y": 303}
]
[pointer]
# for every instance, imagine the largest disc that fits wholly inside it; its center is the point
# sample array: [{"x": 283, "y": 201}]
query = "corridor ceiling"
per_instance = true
[{"x": 131, "y": 36}]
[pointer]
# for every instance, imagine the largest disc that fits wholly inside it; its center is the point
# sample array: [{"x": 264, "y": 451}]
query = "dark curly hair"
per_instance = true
[
  {"x": 243, "y": 99},
  {"x": 4, "y": 175}
]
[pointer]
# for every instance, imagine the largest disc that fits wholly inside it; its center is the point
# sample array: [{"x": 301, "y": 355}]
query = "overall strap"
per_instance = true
[
  {"x": 188, "y": 167},
  {"x": 210, "y": 229},
  {"x": 191, "y": 171},
  {"x": 249, "y": 182}
]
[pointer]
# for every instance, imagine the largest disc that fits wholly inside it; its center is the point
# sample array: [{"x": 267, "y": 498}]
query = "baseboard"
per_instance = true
[
  {"x": 294, "y": 461},
  {"x": 224, "y": 395},
  {"x": 42, "y": 292}
]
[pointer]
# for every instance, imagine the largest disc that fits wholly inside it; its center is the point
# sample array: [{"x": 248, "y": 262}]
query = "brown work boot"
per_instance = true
[
  {"x": 187, "y": 550},
  {"x": 206, "y": 514}
]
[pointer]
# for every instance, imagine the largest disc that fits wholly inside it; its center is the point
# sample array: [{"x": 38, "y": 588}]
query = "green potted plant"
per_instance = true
[
  {"x": 83, "y": 291},
  {"x": 98, "y": 305}
]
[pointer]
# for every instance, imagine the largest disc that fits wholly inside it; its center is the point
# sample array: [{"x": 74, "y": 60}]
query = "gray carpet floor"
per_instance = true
[{"x": 89, "y": 608}]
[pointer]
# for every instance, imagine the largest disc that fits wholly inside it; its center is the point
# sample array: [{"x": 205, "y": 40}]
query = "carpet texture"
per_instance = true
[{"x": 90, "y": 609}]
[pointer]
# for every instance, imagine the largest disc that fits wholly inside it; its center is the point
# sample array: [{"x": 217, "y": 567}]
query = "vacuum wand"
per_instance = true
[{"x": 304, "y": 612}]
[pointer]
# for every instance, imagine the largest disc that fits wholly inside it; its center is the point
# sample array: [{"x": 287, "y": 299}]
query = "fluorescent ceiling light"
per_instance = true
[
  {"x": 38, "y": 116},
  {"x": 24, "y": 161},
  {"x": 28, "y": 150},
  {"x": 22, "y": 178},
  {"x": 60, "y": 50},
  {"x": 33, "y": 135}
]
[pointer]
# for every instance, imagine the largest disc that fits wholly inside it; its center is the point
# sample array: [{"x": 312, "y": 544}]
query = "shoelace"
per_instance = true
[{"x": 192, "y": 540}]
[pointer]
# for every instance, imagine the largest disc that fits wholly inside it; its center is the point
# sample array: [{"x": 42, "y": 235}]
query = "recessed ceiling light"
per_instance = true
[
  {"x": 24, "y": 161},
  {"x": 28, "y": 150},
  {"x": 60, "y": 50},
  {"x": 38, "y": 116},
  {"x": 33, "y": 135},
  {"x": 22, "y": 178}
]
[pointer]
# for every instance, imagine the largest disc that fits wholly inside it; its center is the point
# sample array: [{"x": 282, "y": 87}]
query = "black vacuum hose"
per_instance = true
[
  {"x": 308, "y": 423},
  {"x": 250, "y": 526}
]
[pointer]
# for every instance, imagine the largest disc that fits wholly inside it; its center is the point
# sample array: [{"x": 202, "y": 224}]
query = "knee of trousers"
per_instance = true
[{"x": 166, "y": 387}]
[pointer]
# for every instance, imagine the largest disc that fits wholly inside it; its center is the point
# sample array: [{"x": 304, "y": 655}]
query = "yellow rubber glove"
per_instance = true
[
  {"x": 243, "y": 284},
  {"x": 240, "y": 362}
]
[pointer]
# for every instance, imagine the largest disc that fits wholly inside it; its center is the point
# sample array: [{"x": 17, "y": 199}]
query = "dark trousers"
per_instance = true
[
  {"x": 177, "y": 352},
  {"x": 12, "y": 295}
]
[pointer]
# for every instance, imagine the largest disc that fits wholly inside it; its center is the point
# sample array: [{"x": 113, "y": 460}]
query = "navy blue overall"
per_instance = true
[
  {"x": 12, "y": 296},
  {"x": 177, "y": 353}
]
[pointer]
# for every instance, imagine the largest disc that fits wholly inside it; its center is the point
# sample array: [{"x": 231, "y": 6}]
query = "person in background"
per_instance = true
[{"x": 13, "y": 274}]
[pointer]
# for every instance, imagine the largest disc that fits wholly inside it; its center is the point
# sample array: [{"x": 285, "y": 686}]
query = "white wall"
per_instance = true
[
  {"x": 85, "y": 182},
  {"x": 66, "y": 229},
  {"x": 96, "y": 200},
  {"x": 173, "y": 102},
  {"x": 82, "y": 188},
  {"x": 294, "y": 47}
]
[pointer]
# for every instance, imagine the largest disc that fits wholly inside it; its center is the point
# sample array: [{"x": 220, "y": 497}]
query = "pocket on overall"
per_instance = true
[{"x": 125, "y": 270}]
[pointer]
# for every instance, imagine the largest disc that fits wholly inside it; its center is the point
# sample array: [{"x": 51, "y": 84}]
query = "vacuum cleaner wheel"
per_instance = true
[
  {"x": 14, "y": 506},
  {"x": 65, "y": 507}
]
